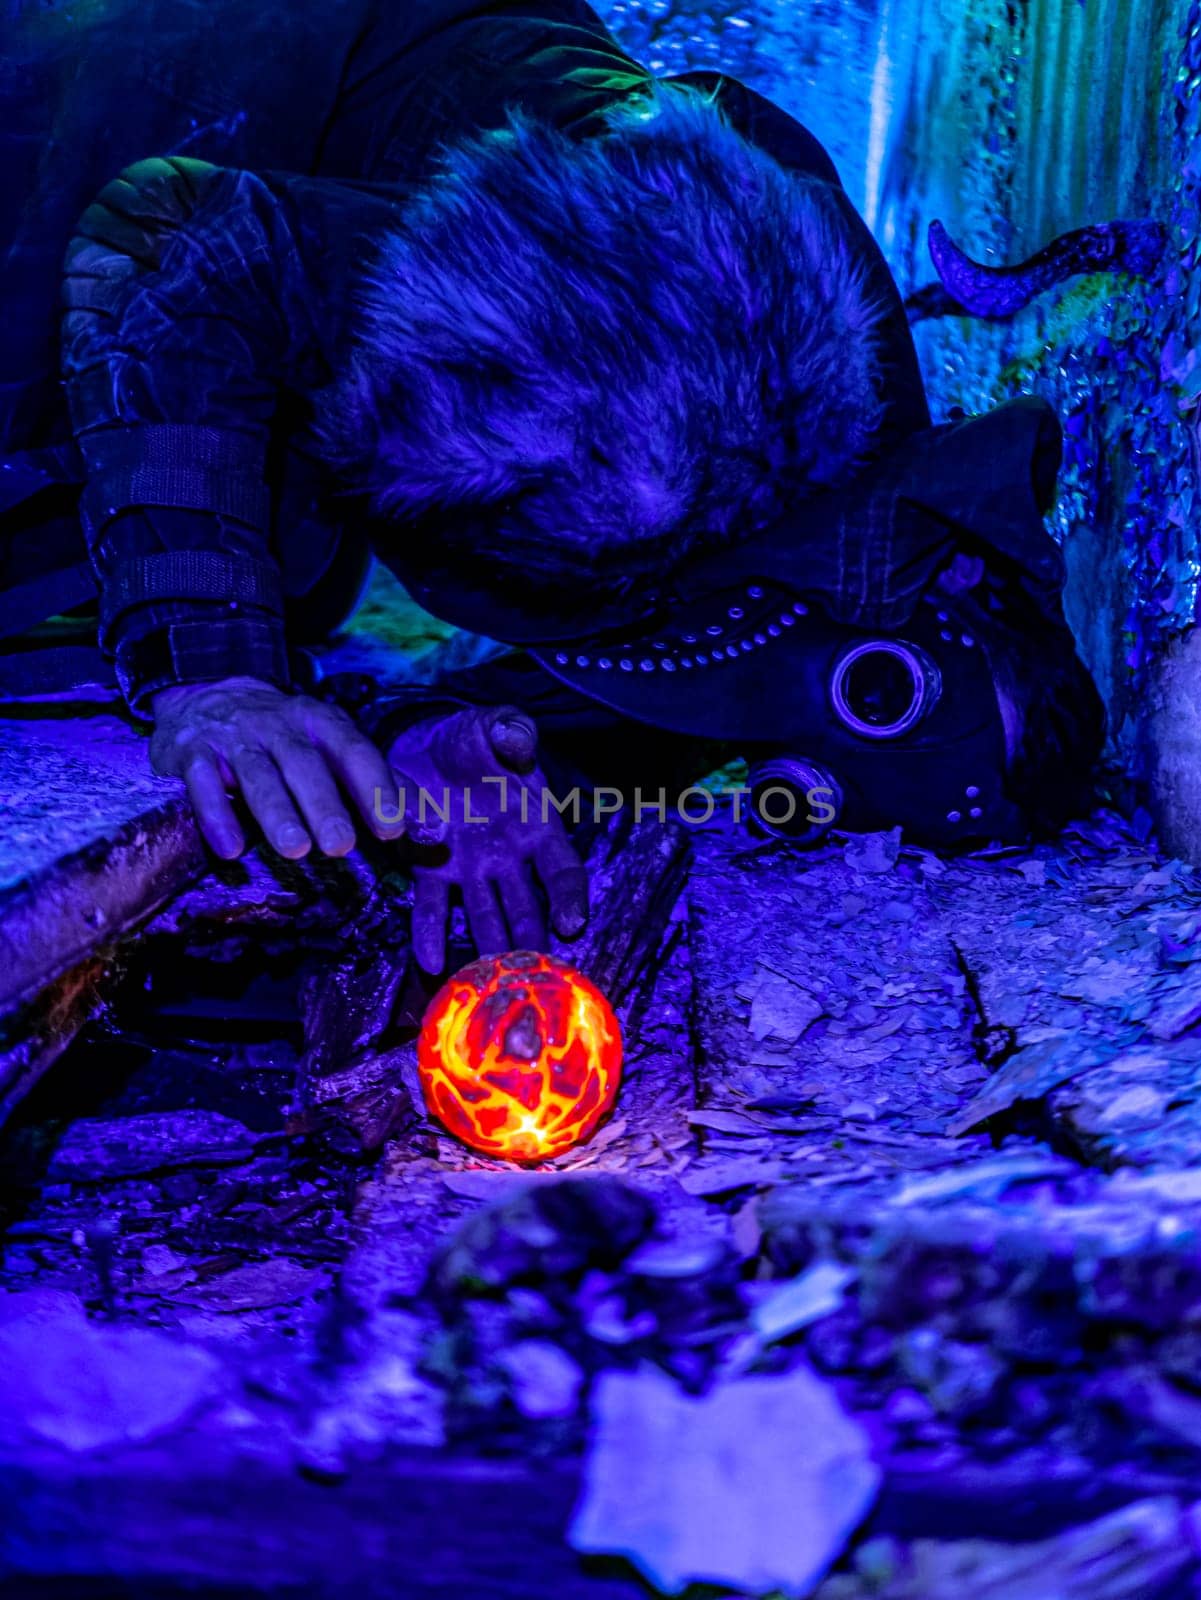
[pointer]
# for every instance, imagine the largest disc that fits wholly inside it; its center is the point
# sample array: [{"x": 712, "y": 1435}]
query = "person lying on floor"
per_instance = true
[{"x": 604, "y": 367}]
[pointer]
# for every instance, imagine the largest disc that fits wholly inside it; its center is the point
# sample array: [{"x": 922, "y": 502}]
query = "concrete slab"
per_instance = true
[{"x": 90, "y": 842}]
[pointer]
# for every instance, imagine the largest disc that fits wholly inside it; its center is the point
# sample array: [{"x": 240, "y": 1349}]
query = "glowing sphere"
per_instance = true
[{"x": 519, "y": 1056}]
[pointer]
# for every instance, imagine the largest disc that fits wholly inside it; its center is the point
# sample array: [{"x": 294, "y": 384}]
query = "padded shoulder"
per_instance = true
[{"x": 149, "y": 200}]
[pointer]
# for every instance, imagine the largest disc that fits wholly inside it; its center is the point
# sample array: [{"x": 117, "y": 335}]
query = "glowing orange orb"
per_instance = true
[{"x": 519, "y": 1056}]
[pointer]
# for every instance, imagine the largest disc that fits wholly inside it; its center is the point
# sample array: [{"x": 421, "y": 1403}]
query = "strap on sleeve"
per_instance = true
[
  {"x": 168, "y": 464},
  {"x": 191, "y": 575}
]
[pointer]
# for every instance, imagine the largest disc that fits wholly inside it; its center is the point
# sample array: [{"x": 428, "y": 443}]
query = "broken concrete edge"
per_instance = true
[
  {"x": 262, "y": 1521},
  {"x": 34, "y": 1035},
  {"x": 87, "y": 900}
]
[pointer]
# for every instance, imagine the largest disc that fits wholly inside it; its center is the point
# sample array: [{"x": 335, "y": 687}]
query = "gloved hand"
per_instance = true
[
  {"x": 286, "y": 753},
  {"x": 480, "y": 761}
]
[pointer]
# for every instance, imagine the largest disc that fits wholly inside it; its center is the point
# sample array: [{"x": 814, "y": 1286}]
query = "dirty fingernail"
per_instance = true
[
  {"x": 429, "y": 957},
  {"x": 387, "y": 819},
  {"x": 336, "y": 838},
  {"x": 427, "y": 832},
  {"x": 515, "y": 733}
]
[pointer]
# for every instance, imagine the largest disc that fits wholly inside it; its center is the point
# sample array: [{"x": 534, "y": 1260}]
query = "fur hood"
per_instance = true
[{"x": 606, "y": 352}]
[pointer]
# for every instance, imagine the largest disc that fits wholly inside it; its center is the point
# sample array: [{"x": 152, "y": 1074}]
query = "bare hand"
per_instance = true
[
  {"x": 285, "y": 753},
  {"x": 501, "y": 853}
]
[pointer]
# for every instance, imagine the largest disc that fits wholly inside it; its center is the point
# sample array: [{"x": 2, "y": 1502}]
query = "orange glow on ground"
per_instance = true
[{"x": 519, "y": 1056}]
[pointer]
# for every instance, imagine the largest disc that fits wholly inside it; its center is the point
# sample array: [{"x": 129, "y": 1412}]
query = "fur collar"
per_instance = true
[{"x": 613, "y": 349}]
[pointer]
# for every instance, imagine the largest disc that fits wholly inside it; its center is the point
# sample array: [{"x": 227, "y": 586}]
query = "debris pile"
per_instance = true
[{"x": 892, "y": 1241}]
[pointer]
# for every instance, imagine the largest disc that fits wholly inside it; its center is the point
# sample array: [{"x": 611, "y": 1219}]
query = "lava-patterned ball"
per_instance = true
[{"x": 519, "y": 1056}]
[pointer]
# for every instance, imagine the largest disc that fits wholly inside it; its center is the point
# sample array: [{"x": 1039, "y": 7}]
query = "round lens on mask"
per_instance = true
[
  {"x": 882, "y": 687},
  {"x": 794, "y": 798}
]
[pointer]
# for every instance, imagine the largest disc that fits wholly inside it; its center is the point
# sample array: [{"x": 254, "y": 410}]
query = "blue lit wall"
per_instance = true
[{"x": 1013, "y": 120}]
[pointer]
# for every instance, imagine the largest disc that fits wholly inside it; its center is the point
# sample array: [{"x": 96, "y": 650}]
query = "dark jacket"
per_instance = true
[{"x": 207, "y": 291}]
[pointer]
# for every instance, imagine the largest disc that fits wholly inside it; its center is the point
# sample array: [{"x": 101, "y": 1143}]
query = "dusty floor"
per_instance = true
[{"x": 921, "y": 1134}]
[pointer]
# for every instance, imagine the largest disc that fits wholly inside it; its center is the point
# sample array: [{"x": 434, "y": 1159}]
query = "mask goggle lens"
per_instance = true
[
  {"x": 795, "y": 798},
  {"x": 882, "y": 687}
]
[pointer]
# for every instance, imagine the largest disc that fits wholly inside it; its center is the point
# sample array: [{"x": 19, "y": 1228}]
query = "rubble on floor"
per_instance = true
[{"x": 898, "y": 1212}]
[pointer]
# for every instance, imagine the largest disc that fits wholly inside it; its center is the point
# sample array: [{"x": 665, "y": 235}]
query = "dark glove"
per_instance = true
[{"x": 504, "y": 853}]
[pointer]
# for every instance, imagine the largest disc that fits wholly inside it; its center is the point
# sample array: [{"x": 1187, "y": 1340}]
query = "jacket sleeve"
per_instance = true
[{"x": 185, "y": 315}]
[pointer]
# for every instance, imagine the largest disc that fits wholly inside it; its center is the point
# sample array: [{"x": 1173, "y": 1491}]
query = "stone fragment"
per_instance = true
[
  {"x": 781, "y": 1011},
  {"x": 492, "y": 1183},
  {"x": 958, "y": 1378},
  {"x": 986, "y": 1180},
  {"x": 1142, "y": 1104},
  {"x": 756, "y": 1486},
  {"x": 1177, "y": 1009},
  {"x": 711, "y": 1178},
  {"x": 1148, "y": 1548},
  {"x": 792, "y": 1306},
  {"x": 74, "y": 1383},
  {"x": 95, "y": 1150},
  {"x": 720, "y": 1121},
  {"x": 1029, "y": 1074},
  {"x": 548, "y": 1230},
  {"x": 873, "y": 852},
  {"x": 545, "y": 1381},
  {"x": 256, "y": 1285},
  {"x": 676, "y": 1258}
]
